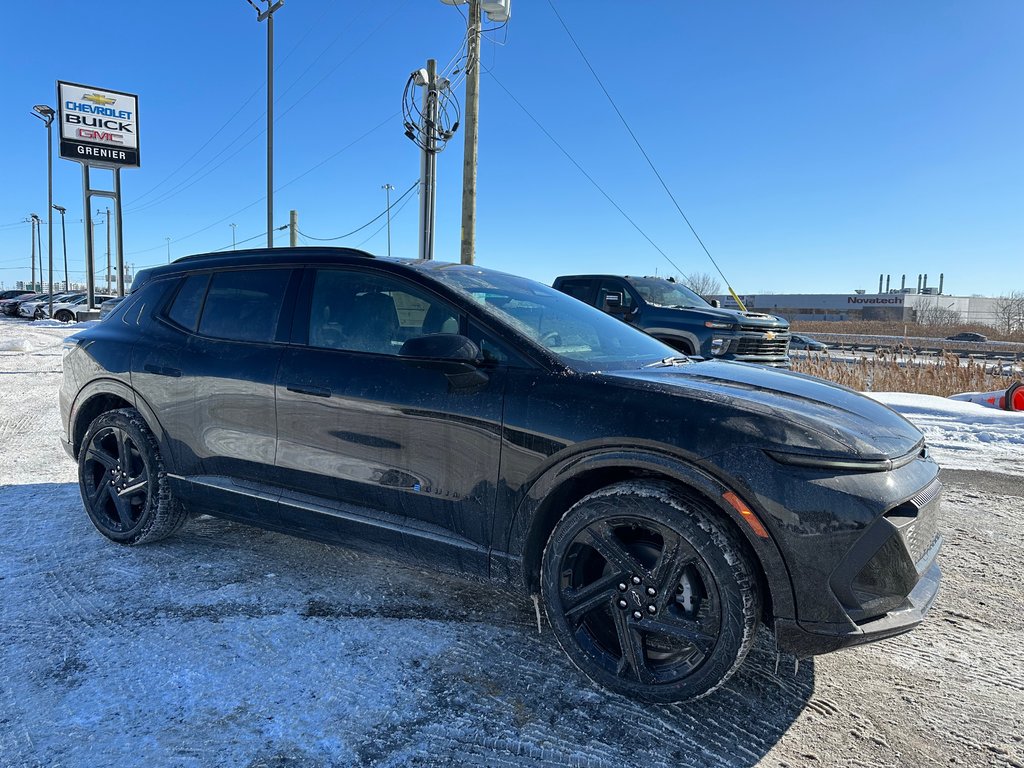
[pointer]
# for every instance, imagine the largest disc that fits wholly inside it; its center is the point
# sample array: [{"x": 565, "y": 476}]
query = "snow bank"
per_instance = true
[{"x": 963, "y": 435}]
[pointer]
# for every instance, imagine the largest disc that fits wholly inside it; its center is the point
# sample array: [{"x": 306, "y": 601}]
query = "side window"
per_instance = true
[
  {"x": 184, "y": 310},
  {"x": 609, "y": 286},
  {"x": 244, "y": 305},
  {"x": 363, "y": 312},
  {"x": 578, "y": 289}
]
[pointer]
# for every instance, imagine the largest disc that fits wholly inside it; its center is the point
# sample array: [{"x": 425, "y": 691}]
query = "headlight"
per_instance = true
[
  {"x": 716, "y": 324},
  {"x": 719, "y": 346}
]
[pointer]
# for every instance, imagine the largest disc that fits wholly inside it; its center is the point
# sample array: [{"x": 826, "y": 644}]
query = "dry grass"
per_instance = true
[{"x": 892, "y": 372}]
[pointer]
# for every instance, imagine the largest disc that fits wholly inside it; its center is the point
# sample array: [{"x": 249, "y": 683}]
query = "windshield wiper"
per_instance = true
[{"x": 669, "y": 362}]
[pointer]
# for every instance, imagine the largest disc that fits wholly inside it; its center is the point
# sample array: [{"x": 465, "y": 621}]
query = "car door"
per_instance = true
[
  {"x": 372, "y": 436},
  {"x": 231, "y": 361}
]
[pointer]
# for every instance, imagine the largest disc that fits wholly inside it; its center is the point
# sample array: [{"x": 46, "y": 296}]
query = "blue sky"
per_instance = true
[{"x": 813, "y": 145}]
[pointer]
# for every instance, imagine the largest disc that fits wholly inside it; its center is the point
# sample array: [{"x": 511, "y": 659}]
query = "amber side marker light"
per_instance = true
[{"x": 748, "y": 517}]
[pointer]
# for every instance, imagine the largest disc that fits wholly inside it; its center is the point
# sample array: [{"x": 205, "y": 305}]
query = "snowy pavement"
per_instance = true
[{"x": 230, "y": 646}]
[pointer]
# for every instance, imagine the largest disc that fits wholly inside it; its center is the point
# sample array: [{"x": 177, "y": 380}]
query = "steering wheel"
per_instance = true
[{"x": 551, "y": 339}]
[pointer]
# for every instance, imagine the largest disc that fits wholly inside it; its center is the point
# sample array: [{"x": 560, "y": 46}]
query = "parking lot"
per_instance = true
[{"x": 231, "y": 646}]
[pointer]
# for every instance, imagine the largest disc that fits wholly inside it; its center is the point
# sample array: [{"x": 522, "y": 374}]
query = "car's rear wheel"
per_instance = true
[
  {"x": 123, "y": 482},
  {"x": 649, "y": 593}
]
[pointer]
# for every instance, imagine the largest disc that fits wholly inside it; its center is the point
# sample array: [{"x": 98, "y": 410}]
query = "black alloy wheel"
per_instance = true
[
  {"x": 123, "y": 482},
  {"x": 649, "y": 594}
]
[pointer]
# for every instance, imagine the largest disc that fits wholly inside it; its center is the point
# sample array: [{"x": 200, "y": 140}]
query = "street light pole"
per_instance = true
[
  {"x": 64, "y": 238},
  {"x": 269, "y": 16},
  {"x": 32, "y": 223},
  {"x": 46, "y": 114},
  {"x": 387, "y": 196},
  {"x": 233, "y": 236},
  {"x": 168, "y": 249}
]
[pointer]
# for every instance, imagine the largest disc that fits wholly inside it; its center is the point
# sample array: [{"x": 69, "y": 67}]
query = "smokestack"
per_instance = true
[
  {"x": 925, "y": 286},
  {"x": 887, "y": 283},
  {"x": 942, "y": 279},
  {"x": 919, "y": 283},
  {"x": 880, "y": 283},
  {"x": 903, "y": 283}
]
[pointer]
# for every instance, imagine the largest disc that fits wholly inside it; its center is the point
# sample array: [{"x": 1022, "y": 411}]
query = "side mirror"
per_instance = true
[
  {"x": 442, "y": 346},
  {"x": 715, "y": 303},
  {"x": 612, "y": 304}
]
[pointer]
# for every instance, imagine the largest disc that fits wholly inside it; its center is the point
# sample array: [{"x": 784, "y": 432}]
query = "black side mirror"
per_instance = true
[
  {"x": 442, "y": 346},
  {"x": 715, "y": 303},
  {"x": 612, "y": 304}
]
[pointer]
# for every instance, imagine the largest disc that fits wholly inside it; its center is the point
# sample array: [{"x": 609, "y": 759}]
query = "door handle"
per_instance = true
[
  {"x": 160, "y": 370},
  {"x": 307, "y": 389}
]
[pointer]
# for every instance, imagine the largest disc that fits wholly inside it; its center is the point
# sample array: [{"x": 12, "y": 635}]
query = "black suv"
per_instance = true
[{"x": 454, "y": 416}]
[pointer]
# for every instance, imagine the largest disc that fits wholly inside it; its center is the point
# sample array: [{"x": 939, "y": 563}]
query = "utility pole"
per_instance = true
[
  {"x": 64, "y": 238},
  {"x": 233, "y": 236},
  {"x": 108, "y": 252},
  {"x": 268, "y": 15},
  {"x": 293, "y": 228},
  {"x": 469, "y": 160},
  {"x": 387, "y": 196},
  {"x": 168, "y": 249},
  {"x": 428, "y": 162}
]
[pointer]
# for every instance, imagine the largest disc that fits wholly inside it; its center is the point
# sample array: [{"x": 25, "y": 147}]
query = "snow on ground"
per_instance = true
[
  {"x": 963, "y": 435},
  {"x": 226, "y": 645}
]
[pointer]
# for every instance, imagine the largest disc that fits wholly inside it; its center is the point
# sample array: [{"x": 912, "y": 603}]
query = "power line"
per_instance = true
[
  {"x": 581, "y": 170},
  {"x": 277, "y": 189},
  {"x": 637, "y": 142},
  {"x": 358, "y": 229}
]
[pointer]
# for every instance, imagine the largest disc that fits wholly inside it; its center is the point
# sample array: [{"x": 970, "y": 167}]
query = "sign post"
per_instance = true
[{"x": 99, "y": 128}]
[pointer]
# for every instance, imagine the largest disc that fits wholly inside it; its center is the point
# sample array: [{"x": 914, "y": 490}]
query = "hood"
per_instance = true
[
  {"x": 788, "y": 410},
  {"x": 721, "y": 314}
]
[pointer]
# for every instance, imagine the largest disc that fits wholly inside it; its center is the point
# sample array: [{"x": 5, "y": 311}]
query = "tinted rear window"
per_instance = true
[
  {"x": 185, "y": 309},
  {"x": 244, "y": 305}
]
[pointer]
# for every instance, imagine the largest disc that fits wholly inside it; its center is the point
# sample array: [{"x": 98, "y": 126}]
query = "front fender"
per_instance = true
[{"x": 538, "y": 513}]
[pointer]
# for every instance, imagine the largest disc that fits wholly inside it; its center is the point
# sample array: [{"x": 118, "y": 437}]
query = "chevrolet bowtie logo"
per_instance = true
[
  {"x": 97, "y": 98},
  {"x": 769, "y": 335}
]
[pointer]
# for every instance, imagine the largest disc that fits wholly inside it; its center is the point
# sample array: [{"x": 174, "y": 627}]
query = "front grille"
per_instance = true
[
  {"x": 762, "y": 346},
  {"x": 918, "y": 522}
]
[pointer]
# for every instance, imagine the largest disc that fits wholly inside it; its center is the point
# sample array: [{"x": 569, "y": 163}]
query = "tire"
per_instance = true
[
  {"x": 64, "y": 316},
  {"x": 648, "y": 594},
  {"x": 123, "y": 482}
]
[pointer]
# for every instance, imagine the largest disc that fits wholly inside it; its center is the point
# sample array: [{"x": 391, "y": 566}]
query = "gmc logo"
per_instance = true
[{"x": 89, "y": 133}]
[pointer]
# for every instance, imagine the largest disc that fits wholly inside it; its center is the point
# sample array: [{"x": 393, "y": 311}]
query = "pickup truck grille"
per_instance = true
[{"x": 750, "y": 345}]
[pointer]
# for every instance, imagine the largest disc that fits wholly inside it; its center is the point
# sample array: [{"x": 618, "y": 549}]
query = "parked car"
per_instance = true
[
  {"x": 66, "y": 311},
  {"x": 799, "y": 341},
  {"x": 967, "y": 336},
  {"x": 107, "y": 306},
  {"x": 14, "y": 293},
  {"x": 28, "y": 308},
  {"x": 454, "y": 416},
  {"x": 10, "y": 306},
  {"x": 674, "y": 314}
]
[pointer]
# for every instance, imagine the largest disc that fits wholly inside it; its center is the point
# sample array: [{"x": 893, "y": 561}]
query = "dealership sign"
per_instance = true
[{"x": 98, "y": 127}]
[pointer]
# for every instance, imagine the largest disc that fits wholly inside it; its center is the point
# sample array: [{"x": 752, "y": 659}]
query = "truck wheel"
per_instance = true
[
  {"x": 123, "y": 481},
  {"x": 649, "y": 595}
]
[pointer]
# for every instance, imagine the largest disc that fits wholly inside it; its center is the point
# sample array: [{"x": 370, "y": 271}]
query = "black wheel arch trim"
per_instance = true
[
  {"x": 534, "y": 514},
  {"x": 114, "y": 388}
]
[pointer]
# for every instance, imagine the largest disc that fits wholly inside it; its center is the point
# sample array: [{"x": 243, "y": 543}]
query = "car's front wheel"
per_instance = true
[
  {"x": 649, "y": 593},
  {"x": 64, "y": 316},
  {"x": 123, "y": 481}
]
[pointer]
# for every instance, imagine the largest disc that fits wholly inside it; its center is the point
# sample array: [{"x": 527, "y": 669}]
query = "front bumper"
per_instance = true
[{"x": 813, "y": 639}]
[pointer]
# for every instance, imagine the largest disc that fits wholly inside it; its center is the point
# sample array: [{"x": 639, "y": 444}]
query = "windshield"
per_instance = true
[
  {"x": 662, "y": 293},
  {"x": 585, "y": 338}
]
